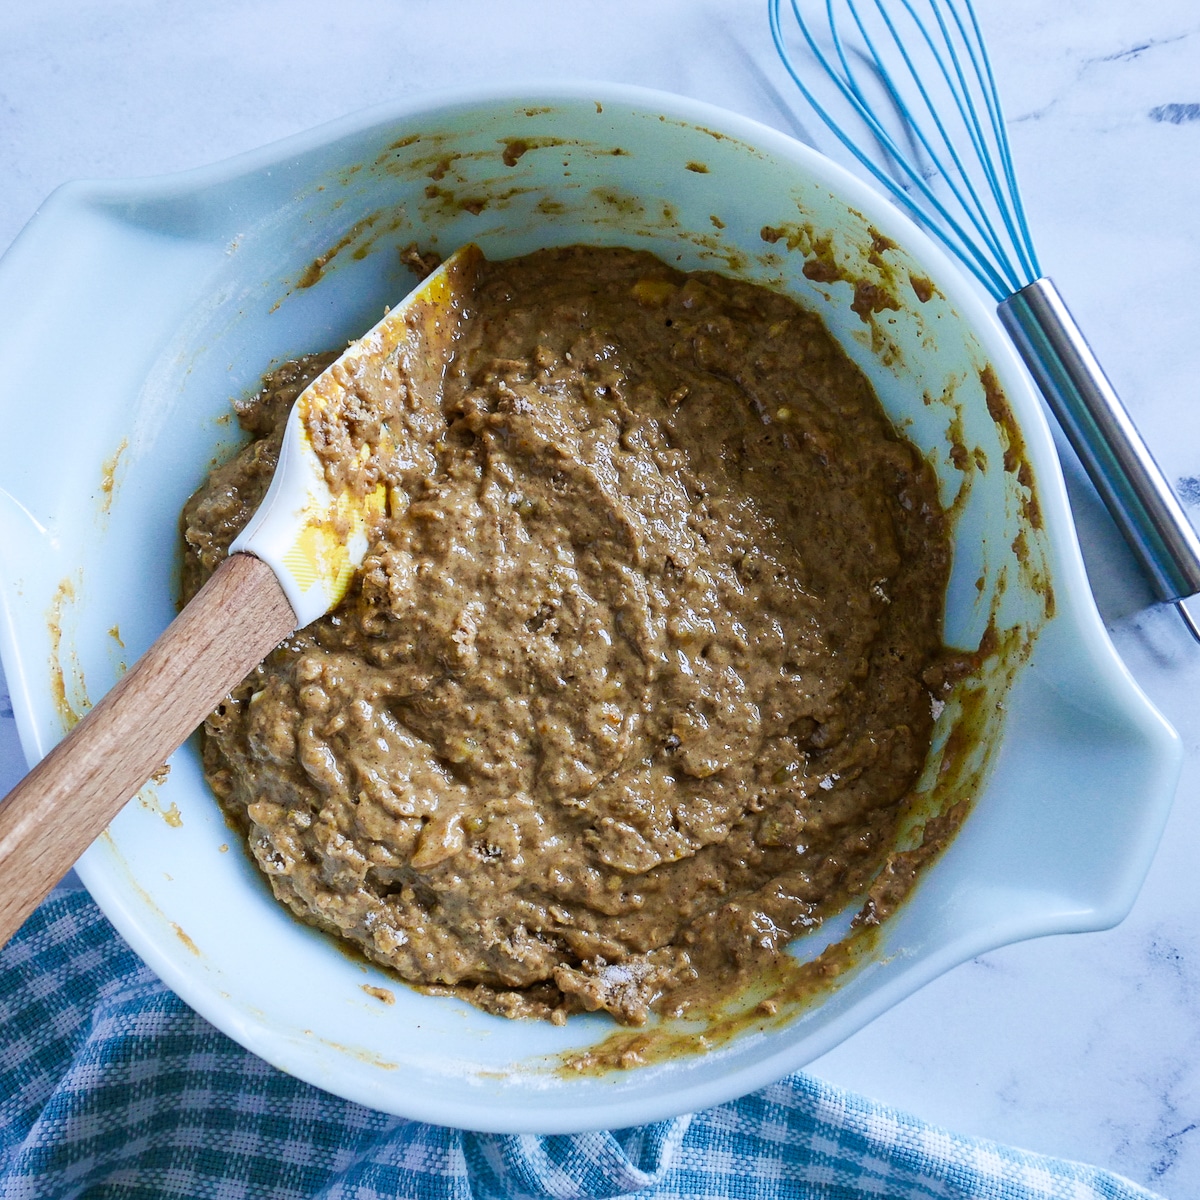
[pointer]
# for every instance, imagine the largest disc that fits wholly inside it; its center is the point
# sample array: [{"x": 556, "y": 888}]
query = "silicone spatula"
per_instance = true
[{"x": 292, "y": 564}]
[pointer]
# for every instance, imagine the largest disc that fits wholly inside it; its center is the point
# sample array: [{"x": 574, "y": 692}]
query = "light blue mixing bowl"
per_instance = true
[{"x": 133, "y": 311}]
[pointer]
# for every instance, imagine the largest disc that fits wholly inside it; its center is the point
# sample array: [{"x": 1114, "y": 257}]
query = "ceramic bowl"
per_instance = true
[{"x": 134, "y": 311}]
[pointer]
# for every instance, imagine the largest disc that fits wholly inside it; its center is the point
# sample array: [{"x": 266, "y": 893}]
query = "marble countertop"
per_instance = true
[{"x": 1085, "y": 1046}]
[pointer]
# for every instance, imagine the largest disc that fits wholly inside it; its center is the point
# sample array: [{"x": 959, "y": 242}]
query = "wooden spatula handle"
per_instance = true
[{"x": 51, "y": 817}]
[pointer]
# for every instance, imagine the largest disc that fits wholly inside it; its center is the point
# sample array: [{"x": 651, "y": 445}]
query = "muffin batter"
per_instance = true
[{"x": 629, "y": 690}]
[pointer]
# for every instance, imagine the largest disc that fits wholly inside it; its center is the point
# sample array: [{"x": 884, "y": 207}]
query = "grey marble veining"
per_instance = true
[{"x": 1086, "y": 1046}]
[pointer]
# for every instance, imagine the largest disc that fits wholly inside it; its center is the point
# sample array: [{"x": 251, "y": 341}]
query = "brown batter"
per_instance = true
[{"x": 629, "y": 691}]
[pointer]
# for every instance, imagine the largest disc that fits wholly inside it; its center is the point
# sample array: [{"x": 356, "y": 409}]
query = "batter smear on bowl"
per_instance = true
[{"x": 632, "y": 686}]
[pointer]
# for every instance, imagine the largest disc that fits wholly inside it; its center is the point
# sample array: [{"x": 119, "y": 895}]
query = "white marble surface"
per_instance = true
[{"x": 1087, "y": 1046}]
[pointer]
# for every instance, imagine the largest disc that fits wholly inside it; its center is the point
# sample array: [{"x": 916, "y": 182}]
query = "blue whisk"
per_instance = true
[{"x": 907, "y": 87}]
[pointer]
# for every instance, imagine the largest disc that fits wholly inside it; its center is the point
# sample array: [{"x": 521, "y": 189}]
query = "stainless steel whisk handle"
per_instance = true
[{"x": 1117, "y": 460}]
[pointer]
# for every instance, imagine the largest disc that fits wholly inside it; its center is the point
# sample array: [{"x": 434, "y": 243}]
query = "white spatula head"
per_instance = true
[{"x": 313, "y": 526}]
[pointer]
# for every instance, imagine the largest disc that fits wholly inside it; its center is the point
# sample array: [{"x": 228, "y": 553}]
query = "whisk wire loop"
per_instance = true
[
  {"x": 1022, "y": 238},
  {"x": 1007, "y": 195},
  {"x": 933, "y": 214},
  {"x": 959, "y": 180},
  {"x": 965, "y": 192},
  {"x": 960, "y": 88}
]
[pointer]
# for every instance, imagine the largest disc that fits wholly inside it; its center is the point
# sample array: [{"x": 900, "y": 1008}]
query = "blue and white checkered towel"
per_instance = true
[{"x": 112, "y": 1089}]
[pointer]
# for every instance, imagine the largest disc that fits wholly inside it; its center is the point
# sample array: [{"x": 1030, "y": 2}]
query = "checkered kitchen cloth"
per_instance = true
[{"x": 112, "y": 1089}]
